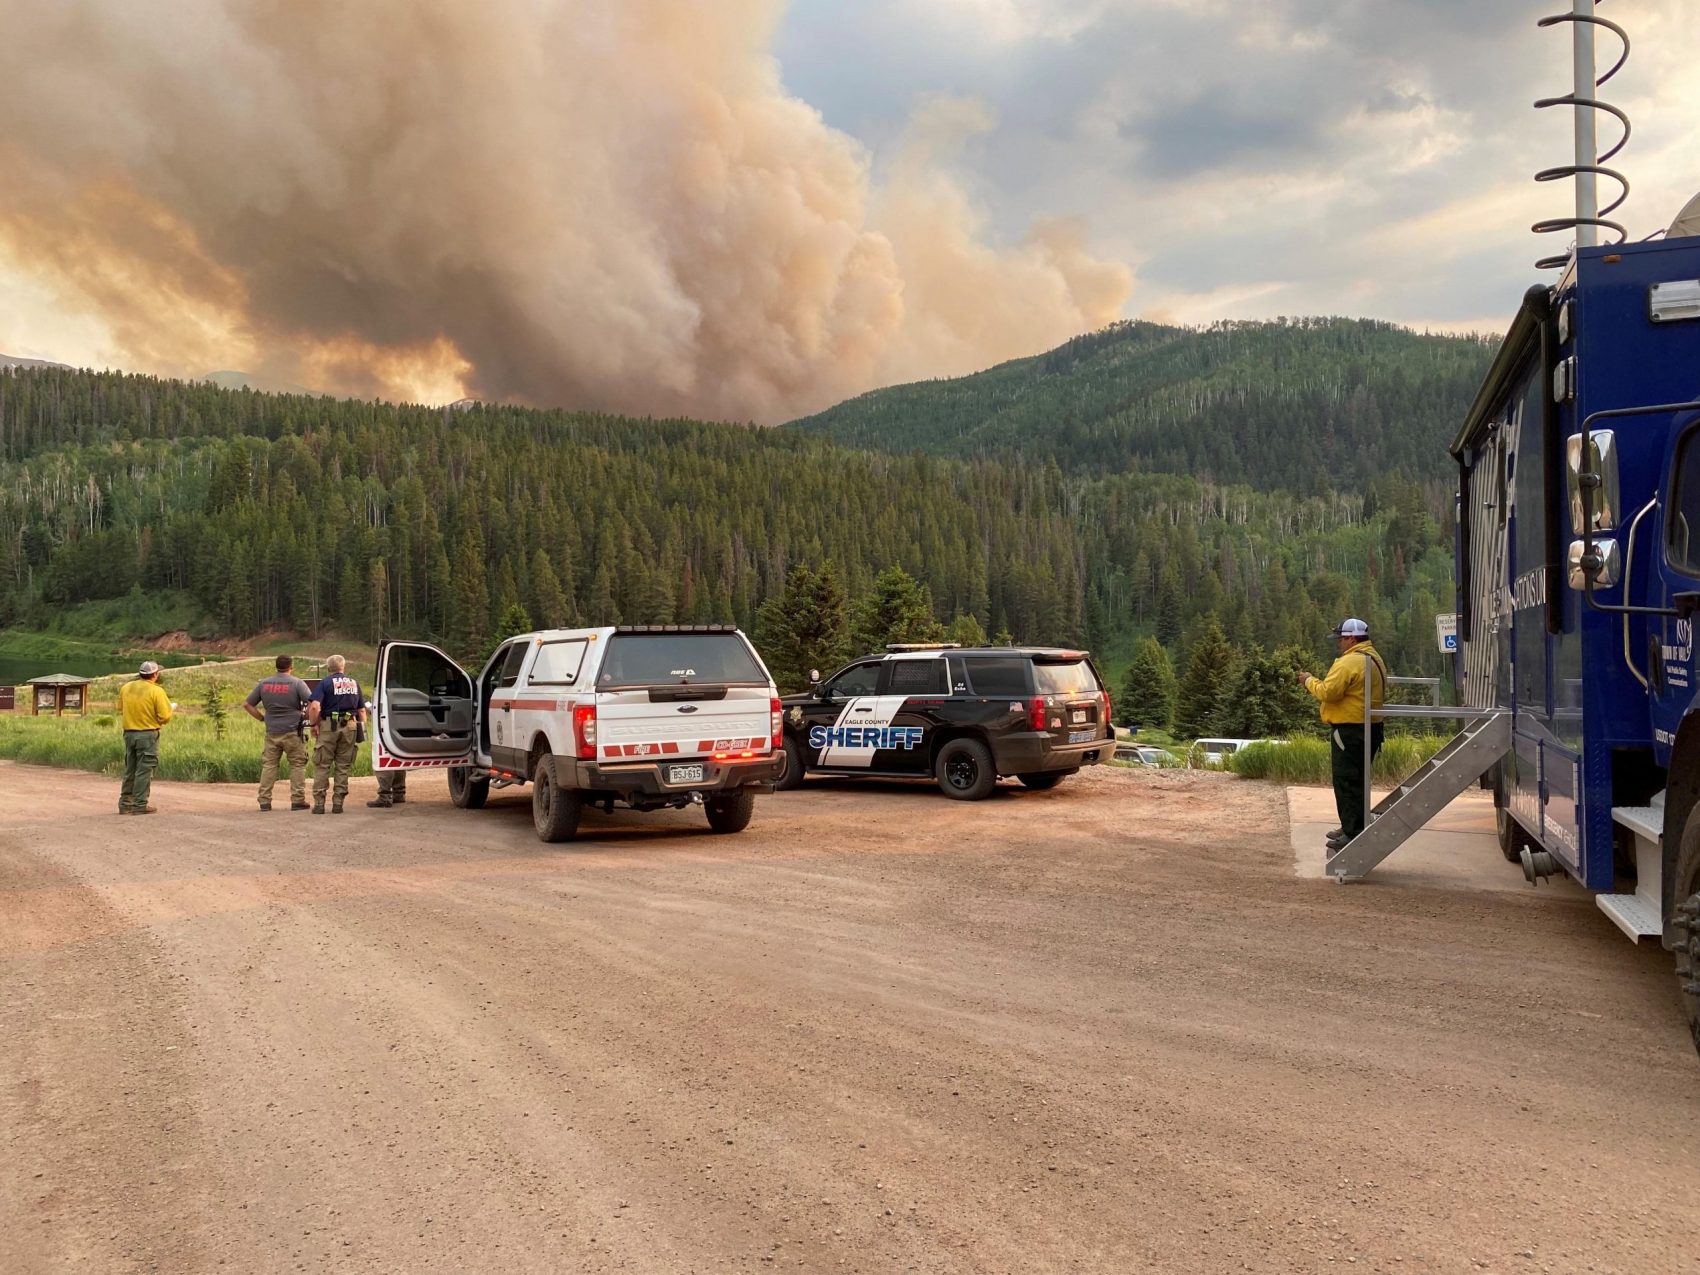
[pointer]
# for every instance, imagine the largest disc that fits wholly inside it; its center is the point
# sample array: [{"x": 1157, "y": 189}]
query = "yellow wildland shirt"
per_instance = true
[
  {"x": 1341, "y": 693},
  {"x": 144, "y": 705}
]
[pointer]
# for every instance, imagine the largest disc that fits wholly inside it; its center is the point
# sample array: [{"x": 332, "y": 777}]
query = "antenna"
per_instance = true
[{"x": 1588, "y": 164}]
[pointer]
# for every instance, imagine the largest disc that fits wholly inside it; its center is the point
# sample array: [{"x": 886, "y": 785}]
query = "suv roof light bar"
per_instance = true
[{"x": 898, "y": 647}]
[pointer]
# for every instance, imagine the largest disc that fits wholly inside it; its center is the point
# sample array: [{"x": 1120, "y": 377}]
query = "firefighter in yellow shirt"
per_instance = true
[
  {"x": 1341, "y": 695},
  {"x": 145, "y": 707}
]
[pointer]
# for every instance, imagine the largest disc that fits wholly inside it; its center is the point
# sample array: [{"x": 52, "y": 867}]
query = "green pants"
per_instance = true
[
  {"x": 1350, "y": 782},
  {"x": 392, "y": 784},
  {"x": 333, "y": 757},
  {"x": 292, "y": 750},
  {"x": 141, "y": 758}
]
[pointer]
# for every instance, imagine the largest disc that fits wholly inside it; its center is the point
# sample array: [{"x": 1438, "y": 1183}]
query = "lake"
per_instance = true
[{"x": 16, "y": 670}]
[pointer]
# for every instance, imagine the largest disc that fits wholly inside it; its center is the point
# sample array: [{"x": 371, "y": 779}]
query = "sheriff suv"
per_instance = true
[
  {"x": 961, "y": 716},
  {"x": 641, "y": 716}
]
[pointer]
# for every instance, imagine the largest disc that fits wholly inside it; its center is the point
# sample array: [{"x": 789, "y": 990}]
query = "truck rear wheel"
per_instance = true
[
  {"x": 965, "y": 771},
  {"x": 1686, "y": 924},
  {"x": 466, "y": 792},
  {"x": 731, "y": 811},
  {"x": 1511, "y": 836},
  {"x": 554, "y": 810}
]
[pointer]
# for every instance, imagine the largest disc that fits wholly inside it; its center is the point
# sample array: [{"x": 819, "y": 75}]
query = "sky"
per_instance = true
[
  {"x": 1361, "y": 157},
  {"x": 1178, "y": 160}
]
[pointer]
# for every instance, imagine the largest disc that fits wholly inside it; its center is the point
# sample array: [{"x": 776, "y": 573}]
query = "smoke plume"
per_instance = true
[{"x": 579, "y": 202}]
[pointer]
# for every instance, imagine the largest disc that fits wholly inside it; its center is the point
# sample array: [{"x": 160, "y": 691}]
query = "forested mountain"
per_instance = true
[
  {"x": 369, "y": 518},
  {"x": 1307, "y": 405}
]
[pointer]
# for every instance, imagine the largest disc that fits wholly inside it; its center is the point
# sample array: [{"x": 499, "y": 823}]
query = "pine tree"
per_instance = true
[
  {"x": 1171, "y": 605},
  {"x": 1258, "y": 704},
  {"x": 898, "y": 610},
  {"x": 966, "y": 630},
  {"x": 377, "y": 600},
  {"x": 469, "y": 605},
  {"x": 513, "y": 620},
  {"x": 1210, "y": 670},
  {"x": 807, "y": 627},
  {"x": 549, "y": 604},
  {"x": 1147, "y": 699}
]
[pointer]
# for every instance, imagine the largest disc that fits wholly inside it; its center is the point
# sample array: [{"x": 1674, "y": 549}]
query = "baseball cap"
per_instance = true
[
  {"x": 149, "y": 668},
  {"x": 1352, "y": 628}
]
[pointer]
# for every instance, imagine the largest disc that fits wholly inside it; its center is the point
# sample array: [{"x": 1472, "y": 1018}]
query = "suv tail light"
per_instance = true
[
  {"x": 1104, "y": 720},
  {"x": 584, "y": 730},
  {"x": 1036, "y": 713},
  {"x": 776, "y": 718}
]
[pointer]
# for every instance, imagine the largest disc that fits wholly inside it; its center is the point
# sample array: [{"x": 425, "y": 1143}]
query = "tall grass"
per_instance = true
[
  {"x": 187, "y": 747},
  {"x": 236, "y": 677},
  {"x": 1305, "y": 759}
]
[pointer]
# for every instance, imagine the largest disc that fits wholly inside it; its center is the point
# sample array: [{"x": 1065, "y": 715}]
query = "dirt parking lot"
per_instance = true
[{"x": 1104, "y": 1028}]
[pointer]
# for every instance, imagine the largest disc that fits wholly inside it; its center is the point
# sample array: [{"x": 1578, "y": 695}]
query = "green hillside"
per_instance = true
[
  {"x": 238, "y": 513},
  {"x": 1306, "y": 405}
]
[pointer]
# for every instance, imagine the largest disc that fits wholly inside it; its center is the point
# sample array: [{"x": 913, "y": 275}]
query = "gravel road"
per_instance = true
[{"x": 1104, "y": 1028}]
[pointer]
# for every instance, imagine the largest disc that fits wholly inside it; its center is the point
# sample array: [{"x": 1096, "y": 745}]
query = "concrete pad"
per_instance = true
[{"x": 1457, "y": 850}]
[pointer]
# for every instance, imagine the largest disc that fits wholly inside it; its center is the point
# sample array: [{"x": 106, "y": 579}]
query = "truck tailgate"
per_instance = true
[{"x": 673, "y": 722}]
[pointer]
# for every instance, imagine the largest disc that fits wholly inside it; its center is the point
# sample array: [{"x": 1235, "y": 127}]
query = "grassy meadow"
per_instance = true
[{"x": 189, "y": 747}]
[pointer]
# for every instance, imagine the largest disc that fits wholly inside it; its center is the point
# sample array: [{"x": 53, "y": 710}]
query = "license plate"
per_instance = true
[
  {"x": 1082, "y": 736},
  {"x": 1078, "y": 716},
  {"x": 684, "y": 774}
]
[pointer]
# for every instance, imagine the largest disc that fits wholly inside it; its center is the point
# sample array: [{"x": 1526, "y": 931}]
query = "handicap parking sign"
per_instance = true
[{"x": 1446, "y": 632}]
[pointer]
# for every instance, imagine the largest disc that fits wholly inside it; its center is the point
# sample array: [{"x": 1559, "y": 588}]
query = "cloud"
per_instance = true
[
  {"x": 612, "y": 206},
  {"x": 1293, "y": 156}
]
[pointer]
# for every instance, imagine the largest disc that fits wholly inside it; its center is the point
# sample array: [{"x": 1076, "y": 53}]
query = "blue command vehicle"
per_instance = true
[{"x": 1579, "y": 570}]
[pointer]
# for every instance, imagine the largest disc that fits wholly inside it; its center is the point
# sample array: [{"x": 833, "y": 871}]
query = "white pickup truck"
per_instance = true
[{"x": 645, "y": 716}]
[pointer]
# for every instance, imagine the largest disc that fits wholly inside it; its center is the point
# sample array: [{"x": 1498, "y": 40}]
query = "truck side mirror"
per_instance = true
[
  {"x": 1604, "y": 566},
  {"x": 814, "y": 677},
  {"x": 1598, "y": 472}
]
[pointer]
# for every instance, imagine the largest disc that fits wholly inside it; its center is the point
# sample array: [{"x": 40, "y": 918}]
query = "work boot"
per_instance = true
[
  {"x": 318, "y": 805},
  {"x": 1334, "y": 843},
  {"x": 265, "y": 805},
  {"x": 298, "y": 805},
  {"x": 336, "y": 806},
  {"x": 144, "y": 810},
  {"x": 398, "y": 799},
  {"x": 1335, "y": 832},
  {"x": 380, "y": 803}
]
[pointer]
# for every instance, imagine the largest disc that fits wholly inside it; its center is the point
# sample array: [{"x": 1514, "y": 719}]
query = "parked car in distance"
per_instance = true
[{"x": 1148, "y": 755}]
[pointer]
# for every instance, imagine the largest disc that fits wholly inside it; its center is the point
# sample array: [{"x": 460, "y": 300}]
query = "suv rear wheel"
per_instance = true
[
  {"x": 792, "y": 776},
  {"x": 964, "y": 770},
  {"x": 1045, "y": 779},
  {"x": 554, "y": 810},
  {"x": 731, "y": 811},
  {"x": 466, "y": 792}
]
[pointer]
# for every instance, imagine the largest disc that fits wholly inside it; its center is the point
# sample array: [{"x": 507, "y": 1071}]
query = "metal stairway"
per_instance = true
[{"x": 1429, "y": 790}]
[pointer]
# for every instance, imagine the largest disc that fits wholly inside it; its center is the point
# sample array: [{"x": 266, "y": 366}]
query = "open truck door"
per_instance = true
[{"x": 426, "y": 709}]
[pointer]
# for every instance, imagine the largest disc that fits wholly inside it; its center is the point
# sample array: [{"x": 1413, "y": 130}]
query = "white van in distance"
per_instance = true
[{"x": 644, "y": 716}]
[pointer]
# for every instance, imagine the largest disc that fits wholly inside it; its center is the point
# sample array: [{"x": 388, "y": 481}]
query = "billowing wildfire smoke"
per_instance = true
[{"x": 577, "y": 202}]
